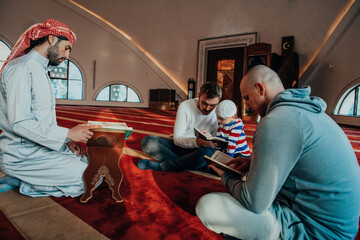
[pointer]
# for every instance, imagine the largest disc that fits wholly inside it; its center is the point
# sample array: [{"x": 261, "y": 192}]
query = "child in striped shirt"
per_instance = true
[{"x": 231, "y": 128}]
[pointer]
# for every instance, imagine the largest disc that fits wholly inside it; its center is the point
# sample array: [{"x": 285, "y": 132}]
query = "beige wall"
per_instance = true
[
  {"x": 169, "y": 31},
  {"x": 337, "y": 66}
]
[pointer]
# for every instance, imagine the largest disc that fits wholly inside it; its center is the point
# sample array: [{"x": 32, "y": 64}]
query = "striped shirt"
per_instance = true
[{"x": 234, "y": 134}]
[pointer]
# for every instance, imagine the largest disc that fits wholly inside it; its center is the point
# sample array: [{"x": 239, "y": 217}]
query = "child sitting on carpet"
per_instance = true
[{"x": 231, "y": 128}]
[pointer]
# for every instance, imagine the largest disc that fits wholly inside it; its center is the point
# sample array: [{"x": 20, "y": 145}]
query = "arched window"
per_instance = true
[
  {"x": 349, "y": 103},
  {"x": 118, "y": 93},
  {"x": 4, "y": 52},
  {"x": 67, "y": 81},
  {"x": 66, "y": 78}
]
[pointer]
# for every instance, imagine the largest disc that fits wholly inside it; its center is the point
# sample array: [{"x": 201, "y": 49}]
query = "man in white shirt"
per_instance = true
[{"x": 186, "y": 151}]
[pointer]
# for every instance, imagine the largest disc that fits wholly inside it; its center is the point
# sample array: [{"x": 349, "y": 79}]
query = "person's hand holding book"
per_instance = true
[
  {"x": 218, "y": 171},
  {"x": 208, "y": 140},
  {"x": 81, "y": 132},
  {"x": 200, "y": 142},
  {"x": 201, "y": 139},
  {"x": 240, "y": 163},
  {"x": 206, "y": 133}
]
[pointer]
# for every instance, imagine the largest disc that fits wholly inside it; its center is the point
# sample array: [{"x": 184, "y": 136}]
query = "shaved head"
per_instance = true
[
  {"x": 262, "y": 74},
  {"x": 259, "y": 86}
]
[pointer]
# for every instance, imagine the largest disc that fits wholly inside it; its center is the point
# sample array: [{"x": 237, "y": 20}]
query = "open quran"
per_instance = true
[
  {"x": 112, "y": 127},
  {"x": 219, "y": 159},
  {"x": 220, "y": 142}
]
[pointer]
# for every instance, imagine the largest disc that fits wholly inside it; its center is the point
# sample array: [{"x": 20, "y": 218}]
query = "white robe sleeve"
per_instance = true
[{"x": 20, "y": 117}]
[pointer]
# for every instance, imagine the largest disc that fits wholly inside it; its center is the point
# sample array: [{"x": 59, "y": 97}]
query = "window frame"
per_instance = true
[
  {"x": 68, "y": 79},
  {"x": 127, "y": 93},
  {"x": 5, "y": 42},
  {"x": 353, "y": 86}
]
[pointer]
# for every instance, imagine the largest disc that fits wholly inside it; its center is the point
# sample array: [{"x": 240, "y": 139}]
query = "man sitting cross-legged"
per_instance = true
[
  {"x": 303, "y": 180},
  {"x": 185, "y": 151}
]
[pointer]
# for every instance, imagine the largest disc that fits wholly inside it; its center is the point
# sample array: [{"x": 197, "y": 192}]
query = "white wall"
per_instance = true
[{"x": 168, "y": 31}]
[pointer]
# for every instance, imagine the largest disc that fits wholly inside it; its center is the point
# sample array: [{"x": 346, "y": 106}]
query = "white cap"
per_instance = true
[{"x": 226, "y": 108}]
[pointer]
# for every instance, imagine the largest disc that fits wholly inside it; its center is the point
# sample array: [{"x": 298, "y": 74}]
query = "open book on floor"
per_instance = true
[
  {"x": 221, "y": 143},
  {"x": 112, "y": 127},
  {"x": 219, "y": 159}
]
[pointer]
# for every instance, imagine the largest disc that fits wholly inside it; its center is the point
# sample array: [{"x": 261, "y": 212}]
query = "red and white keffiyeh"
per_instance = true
[{"x": 37, "y": 31}]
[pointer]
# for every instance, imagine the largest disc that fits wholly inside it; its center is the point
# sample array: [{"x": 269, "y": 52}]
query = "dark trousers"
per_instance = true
[{"x": 175, "y": 158}]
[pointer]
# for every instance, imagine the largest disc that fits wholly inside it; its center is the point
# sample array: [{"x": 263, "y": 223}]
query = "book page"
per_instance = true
[
  {"x": 219, "y": 159},
  {"x": 208, "y": 138},
  {"x": 111, "y": 125},
  {"x": 201, "y": 134},
  {"x": 217, "y": 139}
]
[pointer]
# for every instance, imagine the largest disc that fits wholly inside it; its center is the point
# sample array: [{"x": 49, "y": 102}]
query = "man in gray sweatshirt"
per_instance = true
[{"x": 304, "y": 179}]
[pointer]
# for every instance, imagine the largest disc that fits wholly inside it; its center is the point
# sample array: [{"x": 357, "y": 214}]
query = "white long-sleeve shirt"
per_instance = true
[{"x": 189, "y": 117}]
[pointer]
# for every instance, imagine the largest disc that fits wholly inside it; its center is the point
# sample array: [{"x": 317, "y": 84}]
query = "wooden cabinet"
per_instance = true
[{"x": 163, "y": 99}]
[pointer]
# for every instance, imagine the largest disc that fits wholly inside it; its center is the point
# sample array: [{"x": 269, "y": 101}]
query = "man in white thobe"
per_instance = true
[{"x": 36, "y": 154}]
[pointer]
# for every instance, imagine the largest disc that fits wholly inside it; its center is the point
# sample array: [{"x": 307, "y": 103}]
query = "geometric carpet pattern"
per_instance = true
[{"x": 157, "y": 205}]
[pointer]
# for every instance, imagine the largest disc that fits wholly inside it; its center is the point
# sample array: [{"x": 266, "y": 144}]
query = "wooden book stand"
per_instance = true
[{"x": 104, "y": 151}]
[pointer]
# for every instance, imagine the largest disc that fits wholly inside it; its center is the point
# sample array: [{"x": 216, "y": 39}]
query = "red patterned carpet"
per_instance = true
[
  {"x": 156, "y": 205},
  {"x": 182, "y": 195}
]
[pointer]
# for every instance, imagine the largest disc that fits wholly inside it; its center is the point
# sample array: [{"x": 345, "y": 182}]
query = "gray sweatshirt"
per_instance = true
[{"x": 304, "y": 161}]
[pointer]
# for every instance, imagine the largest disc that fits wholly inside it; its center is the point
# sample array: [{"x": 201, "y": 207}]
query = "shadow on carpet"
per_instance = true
[{"x": 157, "y": 205}]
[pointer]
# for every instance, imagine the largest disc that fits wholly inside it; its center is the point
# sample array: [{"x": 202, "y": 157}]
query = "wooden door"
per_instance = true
[{"x": 225, "y": 66}]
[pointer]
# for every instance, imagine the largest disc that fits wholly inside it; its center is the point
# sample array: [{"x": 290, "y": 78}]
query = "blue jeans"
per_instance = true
[{"x": 174, "y": 158}]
